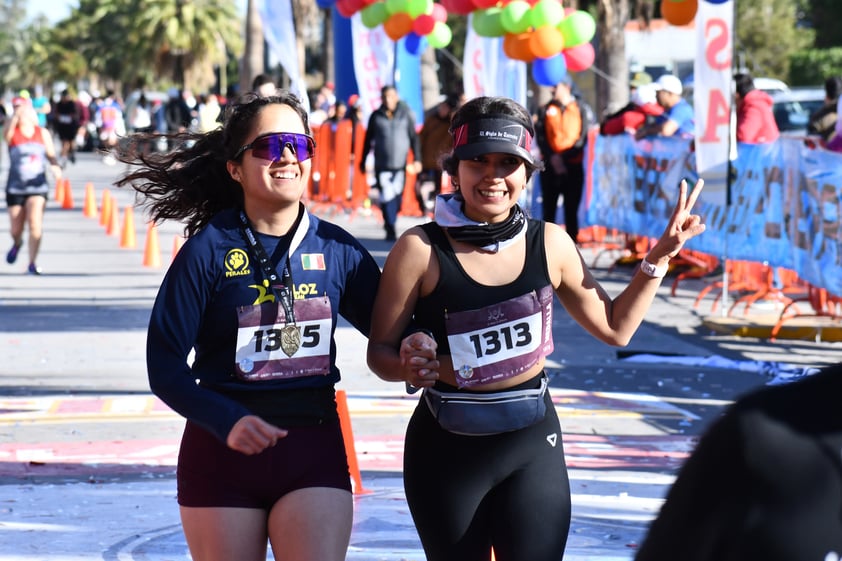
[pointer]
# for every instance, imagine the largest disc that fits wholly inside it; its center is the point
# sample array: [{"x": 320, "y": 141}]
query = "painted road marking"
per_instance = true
[
  {"x": 569, "y": 403},
  {"x": 376, "y": 453}
]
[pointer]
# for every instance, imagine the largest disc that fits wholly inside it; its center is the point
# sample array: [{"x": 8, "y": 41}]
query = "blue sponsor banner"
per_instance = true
[
  {"x": 784, "y": 197},
  {"x": 343, "y": 56}
]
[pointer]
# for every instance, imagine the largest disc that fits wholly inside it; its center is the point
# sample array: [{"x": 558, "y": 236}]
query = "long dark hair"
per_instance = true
[
  {"x": 480, "y": 107},
  {"x": 190, "y": 183}
]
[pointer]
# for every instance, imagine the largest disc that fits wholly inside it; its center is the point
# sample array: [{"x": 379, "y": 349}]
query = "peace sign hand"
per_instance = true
[{"x": 682, "y": 225}]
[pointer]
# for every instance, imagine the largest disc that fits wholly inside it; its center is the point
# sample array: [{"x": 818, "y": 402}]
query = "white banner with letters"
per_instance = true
[
  {"x": 374, "y": 63},
  {"x": 486, "y": 70},
  {"x": 712, "y": 95}
]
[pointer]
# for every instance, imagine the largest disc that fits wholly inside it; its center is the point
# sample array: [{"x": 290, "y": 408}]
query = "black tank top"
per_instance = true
[{"x": 456, "y": 291}]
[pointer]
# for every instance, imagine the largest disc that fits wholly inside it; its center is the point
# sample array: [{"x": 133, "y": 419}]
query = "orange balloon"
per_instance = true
[
  {"x": 679, "y": 12},
  {"x": 517, "y": 46},
  {"x": 398, "y": 25},
  {"x": 546, "y": 41}
]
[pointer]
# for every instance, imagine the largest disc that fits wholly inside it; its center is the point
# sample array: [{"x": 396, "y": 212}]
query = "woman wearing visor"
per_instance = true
[
  {"x": 254, "y": 293},
  {"x": 483, "y": 458}
]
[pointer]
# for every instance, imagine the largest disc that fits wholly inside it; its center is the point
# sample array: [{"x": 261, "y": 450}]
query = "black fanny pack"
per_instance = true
[{"x": 481, "y": 414}]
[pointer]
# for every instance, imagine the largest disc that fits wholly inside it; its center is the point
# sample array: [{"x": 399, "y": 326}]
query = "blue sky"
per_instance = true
[{"x": 53, "y": 9}]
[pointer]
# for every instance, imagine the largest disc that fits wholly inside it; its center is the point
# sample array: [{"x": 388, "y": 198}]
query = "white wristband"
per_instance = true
[{"x": 652, "y": 270}]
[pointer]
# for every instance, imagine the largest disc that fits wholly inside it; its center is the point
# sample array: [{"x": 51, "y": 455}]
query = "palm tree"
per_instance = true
[
  {"x": 184, "y": 39},
  {"x": 252, "y": 63},
  {"x": 188, "y": 37}
]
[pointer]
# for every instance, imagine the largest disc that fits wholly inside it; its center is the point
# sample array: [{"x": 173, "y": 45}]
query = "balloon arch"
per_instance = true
[{"x": 542, "y": 32}]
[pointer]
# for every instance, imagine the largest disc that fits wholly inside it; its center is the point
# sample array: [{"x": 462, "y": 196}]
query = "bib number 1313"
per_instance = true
[{"x": 506, "y": 338}]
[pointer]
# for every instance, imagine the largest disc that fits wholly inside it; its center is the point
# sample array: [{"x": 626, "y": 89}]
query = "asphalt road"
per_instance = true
[{"x": 87, "y": 454}]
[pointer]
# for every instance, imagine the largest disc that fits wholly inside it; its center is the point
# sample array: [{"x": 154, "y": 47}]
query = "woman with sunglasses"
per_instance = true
[
  {"x": 483, "y": 456},
  {"x": 254, "y": 293}
]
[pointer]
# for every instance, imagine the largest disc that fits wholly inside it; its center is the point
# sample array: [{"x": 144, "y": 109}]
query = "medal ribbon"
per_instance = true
[{"x": 282, "y": 290}]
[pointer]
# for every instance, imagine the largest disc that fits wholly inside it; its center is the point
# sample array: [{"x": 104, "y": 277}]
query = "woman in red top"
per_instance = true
[
  {"x": 755, "y": 119},
  {"x": 30, "y": 149},
  {"x": 642, "y": 109}
]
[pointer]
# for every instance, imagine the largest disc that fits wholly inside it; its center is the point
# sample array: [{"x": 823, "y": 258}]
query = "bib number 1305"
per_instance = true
[{"x": 268, "y": 340}]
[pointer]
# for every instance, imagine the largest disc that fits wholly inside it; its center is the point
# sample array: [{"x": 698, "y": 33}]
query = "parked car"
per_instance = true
[
  {"x": 793, "y": 108},
  {"x": 770, "y": 85}
]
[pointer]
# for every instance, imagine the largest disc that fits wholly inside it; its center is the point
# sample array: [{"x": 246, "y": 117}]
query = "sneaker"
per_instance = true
[
  {"x": 12, "y": 256},
  {"x": 33, "y": 269}
]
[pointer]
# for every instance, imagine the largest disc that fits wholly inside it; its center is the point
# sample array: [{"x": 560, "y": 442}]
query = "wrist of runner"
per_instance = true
[{"x": 655, "y": 268}]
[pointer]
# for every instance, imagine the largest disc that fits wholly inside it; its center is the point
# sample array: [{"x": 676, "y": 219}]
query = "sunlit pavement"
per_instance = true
[{"x": 87, "y": 454}]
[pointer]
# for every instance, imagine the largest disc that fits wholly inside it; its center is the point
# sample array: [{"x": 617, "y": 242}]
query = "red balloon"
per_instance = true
[
  {"x": 463, "y": 7},
  {"x": 483, "y": 4},
  {"x": 345, "y": 8},
  {"x": 580, "y": 57},
  {"x": 440, "y": 12},
  {"x": 423, "y": 24}
]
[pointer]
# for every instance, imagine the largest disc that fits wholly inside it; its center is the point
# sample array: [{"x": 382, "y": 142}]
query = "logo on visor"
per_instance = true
[
  {"x": 494, "y": 130},
  {"x": 503, "y": 134}
]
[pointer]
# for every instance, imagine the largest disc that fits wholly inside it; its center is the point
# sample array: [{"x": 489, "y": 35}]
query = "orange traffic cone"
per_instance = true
[
  {"x": 89, "y": 209},
  {"x": 177, "y": 242},
  {"x": 151, "y": 253},
  {"x": 59, "y": 194},
  {"x": 104, "y": 216},
  {"x": 128, "y": 240},
  {"x": 67, "y": 195},
  {"x": 113, "y": 221},
  {"x": 348, "y": 437}
]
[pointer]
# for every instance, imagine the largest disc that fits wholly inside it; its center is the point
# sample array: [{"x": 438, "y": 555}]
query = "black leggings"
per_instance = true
[
  {"x": 569, "y": 185},
  {"x": 469, "y": 493}
]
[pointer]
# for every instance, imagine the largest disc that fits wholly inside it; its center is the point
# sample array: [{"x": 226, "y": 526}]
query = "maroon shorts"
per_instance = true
[{"x": 210, "y": 474}]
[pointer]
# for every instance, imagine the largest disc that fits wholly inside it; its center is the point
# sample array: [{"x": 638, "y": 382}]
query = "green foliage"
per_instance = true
[
  {"x": 767, "y": 32},
  {"x": 811, "y": 67},
  {"x": 129, "y": 42},
  {"x": 825, "y": 17}
]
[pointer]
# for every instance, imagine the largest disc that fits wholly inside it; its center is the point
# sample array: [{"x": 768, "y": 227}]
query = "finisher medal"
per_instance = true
[{"x": 290, "y": 339}]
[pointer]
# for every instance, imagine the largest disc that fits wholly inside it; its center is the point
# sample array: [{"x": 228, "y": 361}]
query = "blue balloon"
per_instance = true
[
  {"x": 324, "y": 4},
  {"x": 716, "y": 1},
  {"x": 549, "y": 71},
  {"x": 415, "y": 44}
]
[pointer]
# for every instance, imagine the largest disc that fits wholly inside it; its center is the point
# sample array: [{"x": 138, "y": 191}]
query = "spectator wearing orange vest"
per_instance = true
[{"x": 560, "y": 125}]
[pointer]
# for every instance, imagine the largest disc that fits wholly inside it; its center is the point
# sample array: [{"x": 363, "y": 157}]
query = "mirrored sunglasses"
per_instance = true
[{"x": 271, "y": 146}]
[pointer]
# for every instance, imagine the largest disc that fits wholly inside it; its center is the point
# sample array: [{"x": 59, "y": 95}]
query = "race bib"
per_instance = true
[
  {"x": 268, "y": 348},
  {"x": 500, "y": 341}
]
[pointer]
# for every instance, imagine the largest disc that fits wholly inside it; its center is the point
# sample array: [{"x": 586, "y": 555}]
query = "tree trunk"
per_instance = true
[
  {"x": 328, "y": 54},
  {"x": 612, "y": 89},
  {"x": 253, "y": 56}
]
